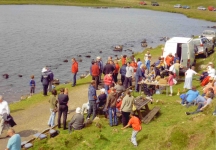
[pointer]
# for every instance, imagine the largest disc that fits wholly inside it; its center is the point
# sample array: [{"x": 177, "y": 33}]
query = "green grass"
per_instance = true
[
  {"x": 170, "y": 130},
  {"x": 165, "y": 5}
]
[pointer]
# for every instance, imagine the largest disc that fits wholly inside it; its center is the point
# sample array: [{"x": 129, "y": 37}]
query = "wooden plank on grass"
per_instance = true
[{"x": 150, "y": 115}]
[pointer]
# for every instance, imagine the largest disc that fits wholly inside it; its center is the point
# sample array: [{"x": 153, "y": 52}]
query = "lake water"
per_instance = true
[{"x": 33, "y": 36}]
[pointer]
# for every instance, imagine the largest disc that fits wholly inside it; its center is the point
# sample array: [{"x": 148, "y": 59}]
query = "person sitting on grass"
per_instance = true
[
  {"x": 77, "y": 121},
  {"x": 136, "y": 125},
  {"x": 211, "y": 84},
  {"x": 190, "y": 96},
  {"x": 201, "y": 105}
]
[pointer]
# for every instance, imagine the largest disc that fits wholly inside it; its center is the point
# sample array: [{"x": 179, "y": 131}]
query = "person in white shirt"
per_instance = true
[
  {"x": 3, "y": 109},
  {"x": 146, "y": 56},
  {"x": 128, "y": 76},
  {"x": 211, "y": 70},
  {"x": 188, "y": 77}
]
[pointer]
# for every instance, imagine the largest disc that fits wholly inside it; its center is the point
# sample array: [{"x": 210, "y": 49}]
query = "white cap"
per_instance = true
[{"x": 78, "y": 110}]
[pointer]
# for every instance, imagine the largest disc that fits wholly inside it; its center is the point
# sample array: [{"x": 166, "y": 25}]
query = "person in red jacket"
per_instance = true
[
  {"x": 108, "y": 81},
  {"x": 74, "y": 70},
  {"x": 169, "y": 59},
  {"x": 115, "y": 72},
  {"x": 95, "y": 71}
]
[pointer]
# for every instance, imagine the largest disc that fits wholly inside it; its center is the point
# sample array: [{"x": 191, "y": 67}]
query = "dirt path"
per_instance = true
[{"x": 34, "y": 119}]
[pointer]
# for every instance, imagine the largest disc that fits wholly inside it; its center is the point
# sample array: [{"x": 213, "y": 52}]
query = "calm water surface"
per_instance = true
[{"x": 33, "y": 36}]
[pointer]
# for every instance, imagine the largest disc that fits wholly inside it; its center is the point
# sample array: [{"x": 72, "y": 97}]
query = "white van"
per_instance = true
[{"x": 184, "y": 48}]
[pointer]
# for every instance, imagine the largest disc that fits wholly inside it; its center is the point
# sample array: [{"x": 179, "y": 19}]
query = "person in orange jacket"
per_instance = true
[
  {"x": 134, "y": 65},
  {"x": 116, "y": 71},
  {"x": 74, "y": 70}
]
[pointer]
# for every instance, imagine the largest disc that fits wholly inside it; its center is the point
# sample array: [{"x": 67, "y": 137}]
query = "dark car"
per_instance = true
[{"x": 154, "y": 4}]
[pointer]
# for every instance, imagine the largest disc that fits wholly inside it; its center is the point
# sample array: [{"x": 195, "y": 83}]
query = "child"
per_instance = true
[
  {"x": 136, "y": 125},
  {"x": 170, "y": 82},
  {"x": 32, "y": 85}
]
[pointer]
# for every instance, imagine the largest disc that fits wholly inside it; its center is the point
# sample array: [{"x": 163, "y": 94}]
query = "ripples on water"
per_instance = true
[{"x": 34, "y": 36}]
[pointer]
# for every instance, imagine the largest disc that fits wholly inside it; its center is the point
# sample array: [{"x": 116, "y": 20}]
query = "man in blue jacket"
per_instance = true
[
  {"x": 92, "y": 97},
  {"x": 123, "y": 72},
  {"x": 139, "y": 76}
]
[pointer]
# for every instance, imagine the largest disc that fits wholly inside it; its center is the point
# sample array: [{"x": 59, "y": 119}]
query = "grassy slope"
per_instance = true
[
  {"x": 171, "y": 130},
  {"x": 165, "y": 5}
]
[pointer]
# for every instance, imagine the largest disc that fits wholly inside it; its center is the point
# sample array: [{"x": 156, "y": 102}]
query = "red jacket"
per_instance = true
[
  {"x": 116, "y": 68},
  {"x": 108, "y": 79},
  {"x": 74, "y": 67},
  {"x": 95, "y": 70}
]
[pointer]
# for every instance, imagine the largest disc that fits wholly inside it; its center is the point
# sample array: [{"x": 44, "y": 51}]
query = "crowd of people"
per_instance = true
[{"x": 115, "y": 94}]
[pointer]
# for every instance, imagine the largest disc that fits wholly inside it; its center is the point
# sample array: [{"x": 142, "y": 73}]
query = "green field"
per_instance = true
[
  {"x": 170, "y": 130},
  {"x": 165, "y": 5}
]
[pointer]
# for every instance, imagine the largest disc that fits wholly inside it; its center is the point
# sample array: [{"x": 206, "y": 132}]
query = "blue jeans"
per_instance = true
[
  {"x": 133, "y": 137},
  {"x": 112, "y": 116},
  {"x": 74, "y": 79},
  {"x": 106, "y": 87},
  {"x": 51, "y": 121},
  {"x": 136, "y": 84},
  {"x": 92, "y": 108}
]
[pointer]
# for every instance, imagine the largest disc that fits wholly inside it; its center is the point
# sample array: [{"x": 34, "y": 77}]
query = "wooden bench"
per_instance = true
[{"x": 150, "y": 115}]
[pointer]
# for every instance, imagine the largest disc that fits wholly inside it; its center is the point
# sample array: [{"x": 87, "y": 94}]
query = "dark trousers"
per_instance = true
[
  {"x": 128, "y": 81},
  {"x": 122, "y": 79},
  {"x": 45, "y": 88},
  {"x": 92, "y": 108},
  {"x": 96, "y": 78},
  {"x": 63, "y": 109},
  {"x": 200, "y": 105},
  {"x": 115, "y": 75},
  {"x": 125, "y": 118}
]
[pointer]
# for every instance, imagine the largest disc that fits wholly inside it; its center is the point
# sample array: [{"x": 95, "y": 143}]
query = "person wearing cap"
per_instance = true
[
  {"x": 95, "y": 71},
  {"x": 128, "y": 75},
  {"x": 137, "y": 127},
  {"x": 169, "y": 59},
  {"x": 92, "y": 97},
  {"x": 45, "y": 79},
  {"x": 126, "y": 107},
  {"x": 102, "y": 98},
  {"x": 63, "y": 108},
  {"x": 77, "y": 121},
  {"x": 74, "y": 70},
  {"x": 4, "y": 108},
  {"x": 100, "y": 65},
  {"x": 111, "y": 107}
]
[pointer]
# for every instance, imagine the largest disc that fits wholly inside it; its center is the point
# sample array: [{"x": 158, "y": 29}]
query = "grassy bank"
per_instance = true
[
  {"x": 170, "y": 130},
  {"x": 165, "y": 5}
]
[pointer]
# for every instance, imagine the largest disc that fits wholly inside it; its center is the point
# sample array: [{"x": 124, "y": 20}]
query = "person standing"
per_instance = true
[
  {"x": 177, "y": 68},
  {"x": 53, "y": 107},
  {"x": 14, "y": 143},
  {"x": 4, "y": 108},
  {"x": 146, "y": 56},
  {"x": 108, "y": 81},
  {"x": 123, "y": 72},
  {"x": 169, "y": 59},
  {"x": 100, "y": 65},
  {"x": 32, "y": 85},
  {"x": 170, "y": 82},
  {"x": 176, "y": 58},
  {"x": 138, "y": 76},
  {"x": 63, "y": 108},
  {"x": 95, "y": 72},
  {"x": 148, "y": 64},
  {"x": 128, "y": 76},
  {"x": 189, "y": 77},
  {"x": 45, "y": 79},
  {"x": 51, "y": 75},
  {"x": 92, "y": 97},
  {"x": 108, "y": 67},
  {"x": 126, "y": 107},
  {"x": 136, "y": 125},
  {"x": 115, "y": 73},
  {"x": 111, "y": 107},
  {"x": 74, "y": 70}
]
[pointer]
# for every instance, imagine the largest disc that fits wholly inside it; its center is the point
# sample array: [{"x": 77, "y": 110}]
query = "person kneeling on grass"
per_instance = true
[
  {"x": 77, "y": 121},
  {"x": 201, "y": 105},
  {"x": 136, "y": 125}
]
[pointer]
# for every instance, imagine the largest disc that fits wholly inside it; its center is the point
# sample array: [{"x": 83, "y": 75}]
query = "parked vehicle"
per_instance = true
[
  {"x": 201, "y": 8},
  {"x": 211, "y": 8},
  {"x": 177, "y": 6},
  {"x": 210, "y": 35},
  {"x": 154, "y": 3},
  {"x": 184, "y": 48},
  {"x": 203, "y": 46},
  {"x": 186, "y": 7},
  {"x": 142, "y": 3}
]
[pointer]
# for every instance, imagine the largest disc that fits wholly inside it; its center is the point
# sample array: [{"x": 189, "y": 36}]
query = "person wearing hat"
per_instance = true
[
  {"x": 137, "y": 127},
  {"x": 95, "y": 72},
  {"x": 45, "y": 79},
  {"x": 77, "y": 121}
]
